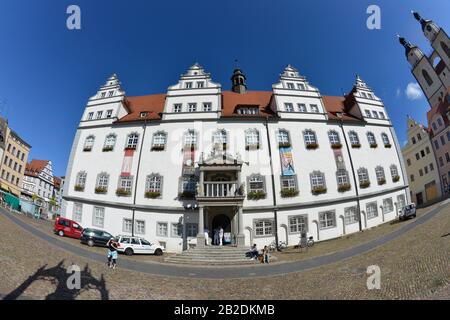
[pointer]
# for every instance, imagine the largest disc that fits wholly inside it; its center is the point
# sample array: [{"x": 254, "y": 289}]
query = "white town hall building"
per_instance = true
[{"x": 263, "y": 165}]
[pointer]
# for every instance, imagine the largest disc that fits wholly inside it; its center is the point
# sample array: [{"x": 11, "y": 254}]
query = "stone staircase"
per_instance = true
[{"x": 212, "y": 256}]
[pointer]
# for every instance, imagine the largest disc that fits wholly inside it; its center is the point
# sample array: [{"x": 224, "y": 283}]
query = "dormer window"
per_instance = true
[
  {"x": 248, "y": 110},
  {"x": 188, "y": 85},
  {"x": 143, "y": 114}
]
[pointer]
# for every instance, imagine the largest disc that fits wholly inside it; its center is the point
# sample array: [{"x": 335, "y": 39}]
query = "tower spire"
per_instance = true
[
  {"x": 429, "y": 28},
  {"x": 238, "y": 80}
]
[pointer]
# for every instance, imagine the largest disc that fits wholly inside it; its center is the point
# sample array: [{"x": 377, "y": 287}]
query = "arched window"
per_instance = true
[
  {"x": 190, "y": 138},
  {"x": 89, "y": 143},
  {"x": 427, "y": 77},
  {"x": 371, "y": 139},
  {"x": 363, "y": 176},
  {"x": 283, "y": 138},
  {"x": 394, "y": 173},
  {"x": 446, "y": 49},
  {"x": 354, "y": 139},
  {"x": 256, "y": 184},
  {"x": 310, "y": 138},
  {"x": 379, "y": 171},
  {"x": 132, "y": 141},
  {"x": 102, "y": 183},
  {"x": 385, "y": 139},
  {"x": 334, "y": 138},
  {"x": 252, "y": 139},
  {"x": 220, "y": 137},
  {"x": 317, "y": 182},
  {"x": 80, "y": 182},
  {"x": 153, "y": 185},
  {"x": 342, "y": 177},
  {"x": 159, "y": 141},
  {"x": 110, "y": 142}
]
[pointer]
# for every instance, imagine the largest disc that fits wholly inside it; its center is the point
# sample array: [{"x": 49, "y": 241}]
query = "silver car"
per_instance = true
[{"x": 408, "y": 211}]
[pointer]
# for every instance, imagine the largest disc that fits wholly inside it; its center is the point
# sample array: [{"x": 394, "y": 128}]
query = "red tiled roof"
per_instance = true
[
  {"x": 35, "y": 167},
  {"x": 57, "y": 182},
  {"x": 335, "y": 105},
  {"x": 152, "y": 104},
  {"x": 232, "y": 100}
]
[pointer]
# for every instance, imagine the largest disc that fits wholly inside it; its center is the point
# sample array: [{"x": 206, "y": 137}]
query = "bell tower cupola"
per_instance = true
[
  {"x": 429, "y": 28},
  {"x": 412, "y": 53},
  {"x": 238, "y": 81}
]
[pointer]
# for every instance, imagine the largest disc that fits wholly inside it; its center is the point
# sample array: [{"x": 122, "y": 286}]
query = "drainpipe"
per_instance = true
[
  {"x": 137, "y": 178},
  {"x": 353, "y": 174},
  {"x": 274, "y": 196}
]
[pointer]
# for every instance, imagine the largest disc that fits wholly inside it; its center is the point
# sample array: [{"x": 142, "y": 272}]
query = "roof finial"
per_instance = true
[{"x": 236, "y": 63}]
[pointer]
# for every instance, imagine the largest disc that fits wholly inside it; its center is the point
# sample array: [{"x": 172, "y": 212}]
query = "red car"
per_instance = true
[{"x": 69, "y": 228}]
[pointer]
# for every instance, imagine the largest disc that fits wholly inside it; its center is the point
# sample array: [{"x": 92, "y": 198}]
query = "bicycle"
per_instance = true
[
  {"x": 305, "y": 242},
  {"x": 281, "y": 245}
]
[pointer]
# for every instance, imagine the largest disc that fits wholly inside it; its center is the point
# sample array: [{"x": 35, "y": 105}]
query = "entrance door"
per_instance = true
[
  {"x": 419, "y": 198},
  {"x": 431, "y": 191},
  {"x": 221, "y": 220}
]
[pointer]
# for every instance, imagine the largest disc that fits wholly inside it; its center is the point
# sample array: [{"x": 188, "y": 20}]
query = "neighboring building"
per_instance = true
[
  {"x": 261, "y": 164},
  {"x": 3, "y": 134},
  {"x": 13, "y": 163},
  {"x": 421, "y": 166},
  {"x": 60, "y": 194},
  {"x": 57, "y": 193},
  {"x": 38, "y": 181},
  {"x": 432, "y": 72}
]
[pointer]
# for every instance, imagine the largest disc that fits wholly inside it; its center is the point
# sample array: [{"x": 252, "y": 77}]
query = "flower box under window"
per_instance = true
[
  {"x": 381, "y": 181},
  {"x": 387, "y": 145},
  {"x": 284, "y": 144},
  {"x": 87, "y": 149},
  {"x": 101, "y": 190},
  {"x": 356, "y": 145},
  {"x": 108, "y": 148},
  {"x": 344, "y": 187},
  {"x": 252, "y": 146},
  {"x": 364, "y": 184},
  {"x": 79, "y": 187},
  {"x": 336, "y": 145},
  {"x": 187, "y": 194},
  {"x": 312, "y": 146},
  {"x": 121, "y": 192},
  {"x": 256, "y": 195},
  {"x": 373, "y": 145},
  {"x": 131, "y": 148},
  {"x": 190, "y": 147},
  {"x": 152, "y": 194},
  {"x": 158, "y": 147},
  {"x": 319, "y": 190},
  {"x": 396, "y": 178},
  {"x": 289, "y": 193}
]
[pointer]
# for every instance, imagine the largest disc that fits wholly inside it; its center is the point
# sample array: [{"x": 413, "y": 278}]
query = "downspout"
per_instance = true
[
  {"x": 353, "y": 174},
  {"x": 137, "y": 178},
  {"x": 274, "y": 196}
]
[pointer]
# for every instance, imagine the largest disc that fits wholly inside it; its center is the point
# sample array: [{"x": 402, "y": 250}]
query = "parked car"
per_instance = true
[
  {"x": 67, "y": 228},
  {"x": 408, "y": 211},
  {"x": 136, "y": 245},
  {"x": 95, "y": 237}
]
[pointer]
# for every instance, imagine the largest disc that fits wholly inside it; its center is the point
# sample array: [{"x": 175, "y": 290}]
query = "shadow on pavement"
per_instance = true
[{"x": 58, "y": 275}]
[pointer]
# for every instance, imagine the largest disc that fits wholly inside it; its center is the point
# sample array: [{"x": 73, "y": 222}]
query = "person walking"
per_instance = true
[
  {"x": 112, "y": 253},
  {"x": 266, "y": 254},
  {"x": 221, "y": 236}
]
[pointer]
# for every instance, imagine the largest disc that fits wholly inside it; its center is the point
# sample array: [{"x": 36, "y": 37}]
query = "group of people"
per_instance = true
[
  {"x": 263, "y": 256},
  {"x": 218, "y": 234},
  {"x": 112, "y": 253}
]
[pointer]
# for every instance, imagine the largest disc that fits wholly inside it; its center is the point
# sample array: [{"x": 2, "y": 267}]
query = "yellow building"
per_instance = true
[{"x": 14, "y": 160}]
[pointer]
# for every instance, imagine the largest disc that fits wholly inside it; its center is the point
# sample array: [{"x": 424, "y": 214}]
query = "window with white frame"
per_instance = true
[
  {"x": 288, "y": 183},
  {"x": 109, "y": 113},
  {"x": 375, "y": 114},
  {"x": 99, "y": 114},
  {"x": 77, "y": 212},
  {"x": 301, "y": 86},
  {"x": 177, "y": 107},
  {"x": 127, "y": 225},
  {"x": 192, "y": 107},
  {"x": 379, "y": 171},
  {"x": 290, "y": 85},
  {"x": 132, "y": 141},
  {"x": 394, "y": 171},
  {"x": 314, "y": 108},
  {"x": 388, "y": 205},
  {"x": 256, "y": 183},
  {"x": 207, "y": 106},
  {"x": 140, "y": 227},
  {"x": 342, "y": 177},
  {"x": 298, "y": 224},
  {"x": 385, "y": 139},
  {"x": 371, "y": 210},
  {"x": 334, "y": 137},
  {"x": 188, "y": 85},
  {"x": 153, "y": 183},
  {"x": 177, "y": 230},
  {"x": 382, "y": 116},
  {"x": 317, "y": 180},
  {"x": 371, "y": 138},
  {"x": 90, "y": 115},
  {"x": 102, "y": 182},
  {"x": 81, "y": 179},
  {"x": 159, "y": 140},
  {"x": 327, "y": 219},
  {"x": 351, "y": 215},
  {"x": 89, "y": 143},
  {"x": 289, "y": 107},
  {"x": 191, "y": 230},
  {"x": 301, "y": 107},
  {"x": 200, "y": 84},
  {"x": 110, "y": 142},
  {"x": 220, "y": 137},
  {"x": 190, "y": 138},
  {"x": 283, "y": 137},
  {"x": 98, "y": 217},
  {"x": 310, "y": 137},
  {"x": 252, "y": 138},
  {"x": 363, "y": 175},
  {"x": 126, "y": 183},
  {"x": 263, "y": 227},
  {"x": 368, "y": 114},
  {"x": 354, "y": 139},
  {"x": 161, "y": 229}
]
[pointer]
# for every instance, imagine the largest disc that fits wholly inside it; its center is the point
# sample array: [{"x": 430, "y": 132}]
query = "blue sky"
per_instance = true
[{"x": 48, "y": 72}]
